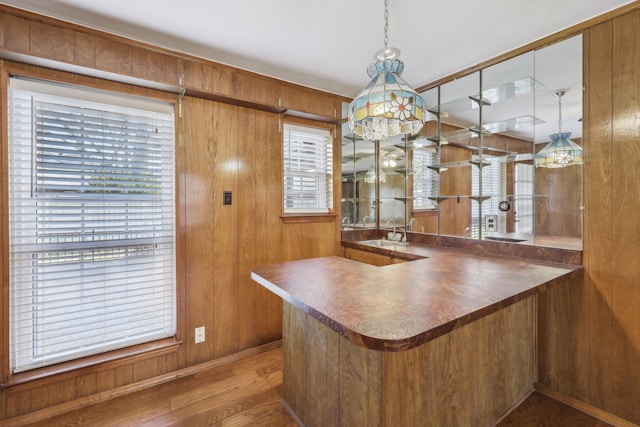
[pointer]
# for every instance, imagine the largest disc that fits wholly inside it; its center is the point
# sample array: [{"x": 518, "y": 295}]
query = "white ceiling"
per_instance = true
[{"x": 328, "y": 44}]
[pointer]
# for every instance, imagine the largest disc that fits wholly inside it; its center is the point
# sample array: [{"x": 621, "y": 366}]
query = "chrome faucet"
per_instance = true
[
  {"x": 392, "y": 222},
  {"x": 364, "y": 221},
  {"x": 411, "y": 223},
  {"x": 404, "y": 231},
  {"x": 346, "y": 222}
]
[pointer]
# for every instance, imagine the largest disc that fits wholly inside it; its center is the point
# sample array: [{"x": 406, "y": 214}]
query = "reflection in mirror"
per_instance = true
[
  {"x": 459, "y": 132},
  {"x": 470, "y": 171},
  {"x": 558, "y": 202},
  {"x": 392, "y": 165},
  {"x": 509, "y": 123},
  {"x": 491, "y": 124},
  {"x": 358, "y": 182}
]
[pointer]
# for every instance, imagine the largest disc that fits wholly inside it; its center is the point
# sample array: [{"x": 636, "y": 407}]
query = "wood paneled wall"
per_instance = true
[
  {"x": 221, "y": 146},
  {"x": 594, "y": 330},
  {"x": 558, "y": 213},
  {"x": 230, "y": 148},
  {"x": 468, "y": 377},
  {"x": 455, "y": 212}
]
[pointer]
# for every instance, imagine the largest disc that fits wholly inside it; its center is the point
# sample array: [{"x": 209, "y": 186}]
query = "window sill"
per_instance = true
[
  {"x": 98, "y": 362},
  {"x": 302, "y": 218}
]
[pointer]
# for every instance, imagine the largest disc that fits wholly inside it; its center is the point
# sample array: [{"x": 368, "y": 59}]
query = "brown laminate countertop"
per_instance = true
[{"x": 400, "y": 306}]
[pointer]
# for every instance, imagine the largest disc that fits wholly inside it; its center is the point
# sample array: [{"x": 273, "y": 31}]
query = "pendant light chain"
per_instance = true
[
  {"x": 386, "y": 24},
  {"x": 560, "y": 112},
  {"x": 560, "y": 93}
]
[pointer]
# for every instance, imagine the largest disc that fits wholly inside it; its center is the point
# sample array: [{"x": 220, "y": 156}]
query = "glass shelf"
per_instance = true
[
  {"x": 433, "y": 113},
  {"x": 404, "y": 199},
  {"x": 459, "y": 104},
  {"x": 354, "y": 200},
  {"x": 512, "y": 124},
  {"x": 458, "y": 135},
  {"x": 406, "y": 171},
  {"x": 523, "y": 86},
  {"x": 441, "y": 167},
  {"x": 480, "y": 164},
  {"x": 438, "y": 140},
  {"x": 350, "y": 158},
  {"x": 439, "y": 199},
  {"x": 476, "y": 131},
  {"x": 509, "y": 125},
  {"x": 417, "y": 143},
  {"x": 490, "y": 96},
  {"x": 480, "y": 198},
  {"x": 352, "y": 138},
  {"x": 516, "y": 157}
]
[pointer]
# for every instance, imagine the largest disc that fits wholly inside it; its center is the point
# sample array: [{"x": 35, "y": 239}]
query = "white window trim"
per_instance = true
[{"x": 317, "y": 204}]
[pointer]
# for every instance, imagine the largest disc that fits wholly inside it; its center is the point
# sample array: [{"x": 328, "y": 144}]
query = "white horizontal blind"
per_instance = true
[
  {"x": 524, "y": 192},
  {"x": 308, "y": 169},
  {"x": 425, "y": 182},
  {"x": 91, "y": 223}
]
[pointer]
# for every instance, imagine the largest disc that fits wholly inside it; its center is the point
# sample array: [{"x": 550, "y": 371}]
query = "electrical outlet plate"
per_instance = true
[{"x": 200, "y": 334}]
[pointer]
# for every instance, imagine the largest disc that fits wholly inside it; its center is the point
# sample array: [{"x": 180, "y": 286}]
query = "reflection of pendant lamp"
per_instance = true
[
  {"x": 387, "y": 106},
  {"x": 370, "y": 176},
  {"x": 561, "y": 151},
  {"x": 389, "y": 162}
]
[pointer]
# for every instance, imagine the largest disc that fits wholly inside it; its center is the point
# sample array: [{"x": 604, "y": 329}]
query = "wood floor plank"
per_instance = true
[
  {"x": 541, "y": 411},
  {"x": 207, "y": 399}
]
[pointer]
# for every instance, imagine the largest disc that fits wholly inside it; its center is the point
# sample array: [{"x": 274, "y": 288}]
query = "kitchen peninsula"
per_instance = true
[{"x": 446, "y": 339}]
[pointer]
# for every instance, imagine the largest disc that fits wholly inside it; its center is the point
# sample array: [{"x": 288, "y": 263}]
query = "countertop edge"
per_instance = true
[{"x": 407, "y": 343}]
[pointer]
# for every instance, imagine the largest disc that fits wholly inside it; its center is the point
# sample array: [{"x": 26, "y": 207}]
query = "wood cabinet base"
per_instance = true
[{"x": 470, "y": 376}]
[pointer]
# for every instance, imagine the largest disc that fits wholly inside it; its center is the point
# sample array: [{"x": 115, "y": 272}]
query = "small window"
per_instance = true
[
  {"x": 91, "y": 222},
  {"x": 425, "y": 181},
  {"x": 494, "y": 187},
  {"x": 523, "y": 191},
  {"x": 308, "y": 170}
]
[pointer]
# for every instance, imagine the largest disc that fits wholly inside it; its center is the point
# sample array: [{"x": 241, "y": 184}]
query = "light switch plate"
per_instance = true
[{"x": 226, "y": 199}]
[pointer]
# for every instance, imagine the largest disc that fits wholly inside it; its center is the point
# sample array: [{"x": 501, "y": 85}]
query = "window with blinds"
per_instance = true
[
  {"x": 308, "y": 169},
  {"x": 425, "y": 181},
  {"x": 524, "y": 191},
  {"x": 494, "y": 184},
  {"x": 91, "y": 222}
]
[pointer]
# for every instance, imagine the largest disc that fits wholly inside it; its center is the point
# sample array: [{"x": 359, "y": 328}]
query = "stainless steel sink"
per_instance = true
[
  {"x": 382, "y": 243},
  {"x": 504, "y": 239}
]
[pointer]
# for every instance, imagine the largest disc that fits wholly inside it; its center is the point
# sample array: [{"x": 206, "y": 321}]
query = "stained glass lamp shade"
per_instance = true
[
  {"x": 388, "y": 106},
  {"x": 560, "y": 151}
]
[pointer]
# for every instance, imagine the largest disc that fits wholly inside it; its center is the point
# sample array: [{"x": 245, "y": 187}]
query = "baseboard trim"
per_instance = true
[
  {"x": 73, "y": 405},
  {"x": 583, "y": 406}
]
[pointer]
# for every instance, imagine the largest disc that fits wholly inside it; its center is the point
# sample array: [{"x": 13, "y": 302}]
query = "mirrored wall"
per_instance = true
[{"x": 471, "y": 172}]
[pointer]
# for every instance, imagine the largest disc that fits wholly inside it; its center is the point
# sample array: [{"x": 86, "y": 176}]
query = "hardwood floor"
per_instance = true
[
  {"x": 247, "y": 393},
  {"x": 541, "y": 411},
  {"x": 241, "y": 393}
]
